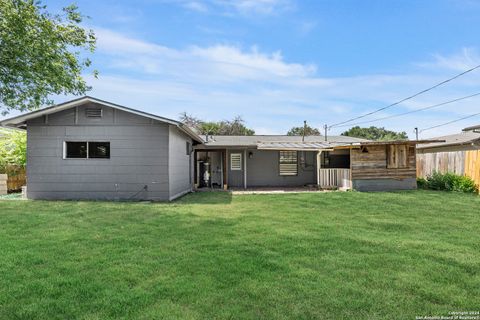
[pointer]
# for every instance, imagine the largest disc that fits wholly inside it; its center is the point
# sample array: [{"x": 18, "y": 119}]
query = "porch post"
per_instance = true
[
  {"x": 245, "y": 169},
  {"x": 319, "y": 165}
]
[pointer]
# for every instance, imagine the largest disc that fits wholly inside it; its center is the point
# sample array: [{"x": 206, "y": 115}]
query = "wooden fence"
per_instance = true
[
  {"x": 458, "y": 162},
  {"x": 17, "y": 178}
]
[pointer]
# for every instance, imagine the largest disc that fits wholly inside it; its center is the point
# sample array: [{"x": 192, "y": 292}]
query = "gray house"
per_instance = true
[{"x": 93, "y": 149}]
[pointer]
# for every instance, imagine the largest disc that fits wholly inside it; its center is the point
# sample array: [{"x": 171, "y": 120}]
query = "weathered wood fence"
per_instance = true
[
  {"x": 16, "y": 178},
  {"x": 458, "y": 162}
]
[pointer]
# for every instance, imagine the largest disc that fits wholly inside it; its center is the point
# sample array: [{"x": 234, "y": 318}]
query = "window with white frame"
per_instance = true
[
  {"x": 86, "y": 150},
  {"x": 288, "y": 163},
  {"x": 235, "y": 161}
]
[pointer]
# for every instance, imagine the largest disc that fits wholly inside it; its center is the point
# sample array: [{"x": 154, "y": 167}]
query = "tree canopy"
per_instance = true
[
  {"x": 375, "y": 133},
  {"x": 234, "y": 127},
  {"x": 41, "y": 54},
  {"x": 299, "y": 131}
]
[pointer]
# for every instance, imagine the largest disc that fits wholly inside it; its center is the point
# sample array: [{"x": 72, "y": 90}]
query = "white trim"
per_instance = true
[{"x": 178, "y": 195}]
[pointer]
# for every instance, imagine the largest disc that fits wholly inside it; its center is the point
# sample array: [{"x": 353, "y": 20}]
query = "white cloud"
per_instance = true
[
  {"x": 196, "y": 6},
  {"x": 243, "y": 7},
  {"x": 272, "y": 94},
  {"x": 257, "y": 6}
]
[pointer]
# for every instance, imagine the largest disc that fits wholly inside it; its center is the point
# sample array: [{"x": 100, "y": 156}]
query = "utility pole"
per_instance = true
[
  {"x": 416, "y": 133},
  {"x": 325, "y": 127},
  {"x": 304, "y": 130}
]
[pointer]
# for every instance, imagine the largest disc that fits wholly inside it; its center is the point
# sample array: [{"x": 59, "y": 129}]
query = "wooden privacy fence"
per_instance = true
[
  {"x": 17, "y": 178},
  {"x": 458, "y": 162}
]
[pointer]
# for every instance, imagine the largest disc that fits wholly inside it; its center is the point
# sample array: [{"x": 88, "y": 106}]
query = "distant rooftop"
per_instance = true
[
  {"x": 253, "y": 141},
  {"x": 464, "y": 138}
]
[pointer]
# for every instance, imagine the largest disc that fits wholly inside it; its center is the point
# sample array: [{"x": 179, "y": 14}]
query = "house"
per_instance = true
[
  {"x": 459, "y": 154},
  {"x": 93, "y": 149},
  {"x": 287, "y": 161}
]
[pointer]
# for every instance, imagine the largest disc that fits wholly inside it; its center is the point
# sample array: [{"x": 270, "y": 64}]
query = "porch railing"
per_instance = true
[{"x": 334, "y": 178}]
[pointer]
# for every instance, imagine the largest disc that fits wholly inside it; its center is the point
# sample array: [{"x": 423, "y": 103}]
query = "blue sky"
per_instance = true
[{"x": 278, "y": 62}]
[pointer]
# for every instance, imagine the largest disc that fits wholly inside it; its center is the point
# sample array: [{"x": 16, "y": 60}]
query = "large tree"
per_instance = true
[
  {"x": 41, "y": 54},
  {"x": 375, "y": 133},
  {"x": 235, "y": 127},
  {"x": 305, "y": 130}
]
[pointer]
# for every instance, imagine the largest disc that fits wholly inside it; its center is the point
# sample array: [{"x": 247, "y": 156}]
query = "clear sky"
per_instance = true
[{"x": 279, "y": 62}]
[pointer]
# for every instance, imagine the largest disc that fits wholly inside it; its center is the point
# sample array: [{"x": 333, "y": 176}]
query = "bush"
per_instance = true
[{"x": 447, "y": 182}]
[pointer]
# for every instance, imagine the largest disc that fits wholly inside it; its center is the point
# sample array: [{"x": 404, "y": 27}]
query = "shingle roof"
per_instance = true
[
  {"x": 463, "y": 138},
  {"x": 253, "y": 141}
]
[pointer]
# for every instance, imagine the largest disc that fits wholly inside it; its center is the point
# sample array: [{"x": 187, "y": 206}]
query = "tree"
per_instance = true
[
  {"x": 41, "y": 54},
  {"x": 235, "y": 127},
  {"x": 375, "y": 133},
  {"x": 13, "y": 149},
  {"x": 299, "y": 131}
]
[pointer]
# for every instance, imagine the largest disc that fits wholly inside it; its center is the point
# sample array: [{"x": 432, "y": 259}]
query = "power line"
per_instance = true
[
  {"x": 413, "y": 111},
  {"x": 449, "y": 122},
  {"x": 407, "y": 98}
]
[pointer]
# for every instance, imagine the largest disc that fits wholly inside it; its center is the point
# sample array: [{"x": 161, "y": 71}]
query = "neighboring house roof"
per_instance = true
[
  {"x": 477, "y": 127},
  {"x": 19, "y": 121},
  {"x": 459, "y": 139}
]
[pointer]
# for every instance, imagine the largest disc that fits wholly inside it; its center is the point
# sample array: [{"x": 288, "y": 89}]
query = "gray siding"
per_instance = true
[
  {"x": 263, "y": 170},
  {"x": 138, "y": 157},
  {"x": 384, "y": 184},
  {"x": 179, "y": 163}
]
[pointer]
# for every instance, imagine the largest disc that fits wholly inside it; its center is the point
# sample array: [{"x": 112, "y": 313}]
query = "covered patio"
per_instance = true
[{"x": 273, "y": 166}]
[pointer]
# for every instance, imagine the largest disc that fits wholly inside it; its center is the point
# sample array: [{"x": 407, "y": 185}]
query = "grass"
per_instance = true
[{"x": 214, "y": 256}]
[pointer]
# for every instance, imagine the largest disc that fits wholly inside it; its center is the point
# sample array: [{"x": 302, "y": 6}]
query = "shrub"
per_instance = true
[{"x": 448, "y": 182}]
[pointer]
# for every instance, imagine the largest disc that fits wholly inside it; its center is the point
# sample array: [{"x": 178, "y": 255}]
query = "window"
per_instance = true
[
  {"x": 99, "y": 150},
  {"x": 76, "y": 150},
  {"x": 188, "y": 147},
  {"x": 288, "y": 163},
  {"x": 235, "y": 161},
  {"x": 86, "y": 150},
  {"x": 397, "y": 156}
]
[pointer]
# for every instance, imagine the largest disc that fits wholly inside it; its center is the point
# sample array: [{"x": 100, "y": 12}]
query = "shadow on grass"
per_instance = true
[{"x": 214, "y": 197}]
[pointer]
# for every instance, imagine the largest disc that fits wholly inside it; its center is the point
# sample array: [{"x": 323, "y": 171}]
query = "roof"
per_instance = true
[
  {"x": 19, "y": 121},
  {"x": 477, "y": 127},
  {"x": 464, "y": 138},
  {"x": 254, "y": 141}
]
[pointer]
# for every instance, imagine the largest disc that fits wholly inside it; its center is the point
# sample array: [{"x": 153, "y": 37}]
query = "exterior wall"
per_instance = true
[
  {"x": 263, "y": 170},
  {"x": 180, "y": 170},
  {"x": 138, "y": 157},
  {"x": 370, "y": 172}
]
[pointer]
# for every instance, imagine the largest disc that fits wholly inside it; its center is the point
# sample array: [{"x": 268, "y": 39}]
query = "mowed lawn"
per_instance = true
[{"x": 216, "y": 256}]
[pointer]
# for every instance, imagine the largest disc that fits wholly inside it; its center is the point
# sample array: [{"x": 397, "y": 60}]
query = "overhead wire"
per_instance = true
[
  {"x": 413, "y": 111},
  {"x": 407, "y": 98}
]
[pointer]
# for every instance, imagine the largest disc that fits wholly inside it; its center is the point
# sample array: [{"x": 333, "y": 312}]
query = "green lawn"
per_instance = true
[{"x": 213, "y": 256}]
